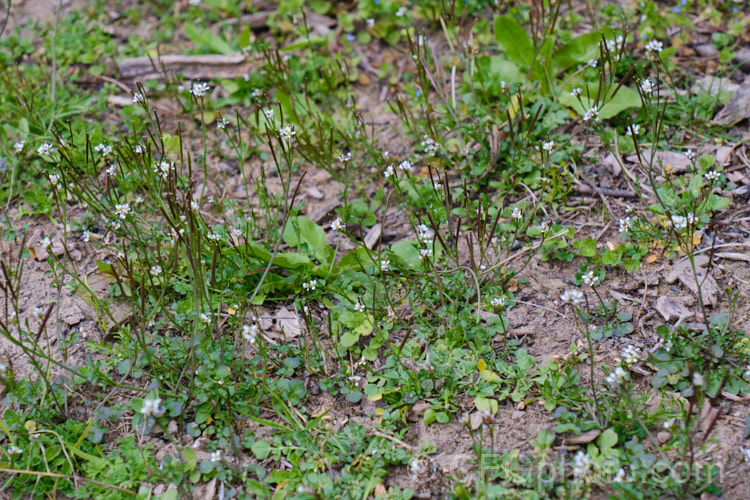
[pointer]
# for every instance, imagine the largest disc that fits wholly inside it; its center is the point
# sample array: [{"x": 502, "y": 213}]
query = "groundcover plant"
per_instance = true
[{"x": 375, "y": 249}]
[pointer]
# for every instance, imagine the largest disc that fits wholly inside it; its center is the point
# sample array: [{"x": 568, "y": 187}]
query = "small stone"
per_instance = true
[
  {"x": 706, "y": 49},
  {"x": 517, "y": 415},
  {"x": 172, "y": 427},
  {"x": 663, "y": 437},
  {"x": 315, "y": 193}
]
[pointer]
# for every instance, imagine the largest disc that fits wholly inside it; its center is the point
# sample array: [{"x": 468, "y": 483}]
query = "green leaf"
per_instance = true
[
  {"x": 348, "y": 339},
  {"x": 504, "y": 69},
  {"x": 608, "y": 439},
  {"x": 302, "y": 233},
  {"x": 261, "y": 449},
  {"x": 717, "y": 202},
  {"x": 208, "y": 39},
  {"x": 624, "y": 99},
  {"x": 579, "y": 50},
  {"x": 430, "y": 416},
  {"x": 514, "y": 41}
]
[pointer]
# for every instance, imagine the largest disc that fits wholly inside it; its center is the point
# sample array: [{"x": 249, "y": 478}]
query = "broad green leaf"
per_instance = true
[
  {"x": 208, "y": 39},
  {"x": 504, "y": 69},
  {"x": 348, "y": 339},
  {"x": 624, "y": 99},
  {"x": 301, "y": 231},
  {"x": 514, "y": 41},
  {"x": 261, "y": 449}
]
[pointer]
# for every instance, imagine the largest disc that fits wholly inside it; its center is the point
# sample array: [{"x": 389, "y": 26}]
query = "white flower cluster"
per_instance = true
[
  {"x": 406, "y": 166},
  {"x": 344, "y": 157},
  {"x": 712, "y": 175},
  {"x": 548, "y": 145},
  {"x": 388, "y": 171},
  {"x": 647, "y": 86},
  {"x": 162, "y": 168},
  {"x": 268, "y": 113},
  {"x": 581, "y": 465},
  {"x": 138, "y": 98},
  {"x": 631, "y": 355},
  {"x": 222, "y": 123},
  {"x": 616, "y": 377},
  {"x": 592, "y": 114},
  {"x": 626, "y": 224},
  {"x": 152, "y": 407},
  {"x": 419, "y": 469},
  {"x": 425, "y": 253},
  {"x": 680, "y": 222},
  {"x": 576, "y": 92},
  {"x": 430, "y": 146},
  {"x": 103, "y": 149},
  {"x": 310, "y": 285},
  {"x": 516, "y": 214},
  {"x": 18, "y": 147},
  {"x": 498, "y": 302},
  {"x": 359, "y": 306},
  {"x": 338, "y": 225},
  {"x": 122, "y": 210},
  {"x": 250, "y": 332},
  {"x": 634, "y": 131},
  {"x": 385, "y": 264}
]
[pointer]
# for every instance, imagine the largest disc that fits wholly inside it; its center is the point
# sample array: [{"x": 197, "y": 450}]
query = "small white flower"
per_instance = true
[
  {"x": 250, "y": 332},
  {"x": 122, "y": 210},
  {"x": 697, "y": 379},
  {"x": 635, "y": 130},
  {"x": 576, "y": 91},
  {"x": 370, "y": 22},
  {"x": 216, "y": 455},
  {"x": 103, "y": 149},
  {"x": 400, "y": 12},
  {"x": 669, "y": 424},
  {"x": 647, "y": 86},
  {"x": 200, "y": 89},
  {"x": 287, "y": 133},
  {"x": 155, "y": 270},
  {"x": 54, "y": 179},
  {"x": 86, "y": 236},
  {"x": 619, "y": 476},
  {"x": 425, "y": 253},
  {"x": 213, "y": 236},
  {"x": 593, "y": 63},
  {"x": 388, "y": 171},
  {"x": 385, "y": 265},
  {"x": 589, "y": 278},
  {"x": 140, "y": 149},
  {"x": 691, "y": 219},
  {"x": 547, "y": 146},
  {"x": 268, "y": 113},
  {"x": 503, "y": 84},
  {"x": 498, "y": 302},
  {"x": 18, "y": 147},
  {"x": 138, "y": 98},
  {"x": 310, "y": 285},
  {"x": 111, "y": 170},
  {"x": 13, "y": 450},
  {"x": 337, "y": 225},
  {"x": 237, "y": 232},
  {"x": 654, "y": 46},
  {"x": 257, "y": 93},
  {"x": 712, "y": 175},
  {"x": 138, "y": 200},
  {"x": 205, "y": 318},
  {"x": 46, "y": 149},
  {"x": 572, "y": 296},
  {"x": 516, "y": 214},
  {"x": 359, "y": 307},
  {"x": 690, "y": 155},
  {"x": 430, "y": 146},
  {"x": 345, "y": 157},
  {"x": 152, "y": 407},
  {"x": 543, "y": 226},
  {"x": 222, "y": 123}
]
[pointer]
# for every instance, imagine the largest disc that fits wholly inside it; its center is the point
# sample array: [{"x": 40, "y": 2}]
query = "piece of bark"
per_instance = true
[
  {"x": 684, "y": 272},
  {"x": 193, "y": 67},
  {"x": 676, "y": 162},
  {"x": 671, "y": 309},
  {"x": 738, "y": 107}
]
